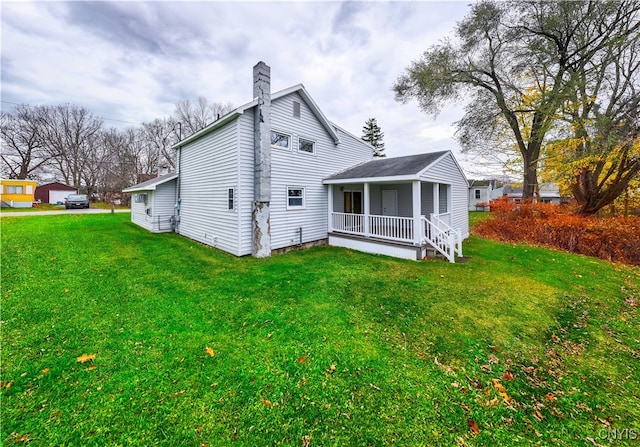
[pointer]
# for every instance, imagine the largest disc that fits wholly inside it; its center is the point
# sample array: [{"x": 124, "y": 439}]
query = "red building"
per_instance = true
[{"x": 54, "y": 192}]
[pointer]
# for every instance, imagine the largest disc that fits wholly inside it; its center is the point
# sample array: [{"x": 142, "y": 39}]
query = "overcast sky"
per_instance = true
[{"x": 131, "y": 61}]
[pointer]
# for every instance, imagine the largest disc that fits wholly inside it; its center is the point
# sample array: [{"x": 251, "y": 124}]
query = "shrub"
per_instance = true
[{"x": 613, "y": 239}]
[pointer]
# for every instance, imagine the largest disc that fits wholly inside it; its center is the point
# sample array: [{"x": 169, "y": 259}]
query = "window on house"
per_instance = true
[
  {"x": 141, "y": 198},
  {"x": 230, "y": 199},
  {"x": 443, "y": 194},
  {"x": 295, "y": 197},
  {"x": 477, "y": 193},
  {"x": 296, "y": 109},
  {"x": 307, "y": 146},
  {"x": 14, "y": 189},
  {"x": 353, "y": 202},
  {"x": 281, "y": 140}
]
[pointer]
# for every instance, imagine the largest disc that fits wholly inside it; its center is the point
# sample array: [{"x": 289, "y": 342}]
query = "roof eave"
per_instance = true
[
  {"x": 151, "y": 186},
  {"x": 385, "y": 179},
  {"x": 213, "y": 126}
]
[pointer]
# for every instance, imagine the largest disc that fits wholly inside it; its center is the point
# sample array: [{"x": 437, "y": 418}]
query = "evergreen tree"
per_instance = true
[{"x": 372, "y": 134}]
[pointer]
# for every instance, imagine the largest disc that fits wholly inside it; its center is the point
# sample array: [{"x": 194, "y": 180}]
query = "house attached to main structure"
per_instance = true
[{"x": 276, "y": 173}]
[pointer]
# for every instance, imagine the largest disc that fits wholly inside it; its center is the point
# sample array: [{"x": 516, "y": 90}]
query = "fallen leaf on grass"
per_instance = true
[
  {"x": 302, "y": 359},
  {"x": 332, "y": 369},
  {"x": 498, "y": 386},
  {"x": 474, "y": 427},
  {"x": 91, "y": 367},
  {"x": 508, "y": 375},
  {"x": 23, "y": 438},
  {"x": 507, "y": 399},
  {"x": 538, "y": 415},
  {"x": 210, "y": 351},
  {"x": 45, "y": 371},
  {"x": 267, "y": 403},
  {"x": 84, "y": 358},
  {"x": 551, "y": 396},
  {"x": 9, "y": 385}
]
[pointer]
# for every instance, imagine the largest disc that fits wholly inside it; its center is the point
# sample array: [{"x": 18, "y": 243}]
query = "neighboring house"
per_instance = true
[
  {"x": 549, "y": 193},
  {"x": 17, "y": 193},
  {"x": 276, "y": 173},
  {"x": 481, "y": 192},
  {"x": 54, "y": 193},
  {"x": 153, "y": 203}
]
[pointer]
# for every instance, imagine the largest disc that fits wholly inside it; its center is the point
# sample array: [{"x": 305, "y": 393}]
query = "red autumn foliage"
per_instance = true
[{"x": 614, "y": 239}]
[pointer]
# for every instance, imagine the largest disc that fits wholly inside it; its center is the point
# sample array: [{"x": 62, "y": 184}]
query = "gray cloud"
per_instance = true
[
  {"x": 132, "y": 60},
  {"x": 118, "y": 26},
  {"x": 345, "y": 23}
]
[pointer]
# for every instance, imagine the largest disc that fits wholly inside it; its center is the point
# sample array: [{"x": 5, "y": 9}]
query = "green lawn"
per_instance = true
[{"x": 519, "y": 346}]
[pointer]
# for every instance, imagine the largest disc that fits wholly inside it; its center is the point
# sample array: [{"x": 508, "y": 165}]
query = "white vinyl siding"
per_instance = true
[
  {"x": 208, "y": 167},
  {"x": 225, "y": 157},
  {"x": 154, "y": 209},
  {"x": 244, "y": 193},
  {"x": 446, "y": 171},
  {"x": 290, "y": 168}
]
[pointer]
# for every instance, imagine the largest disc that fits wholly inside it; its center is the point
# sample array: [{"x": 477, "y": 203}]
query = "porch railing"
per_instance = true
[
  {"x": 348, "y": 223},
  {"x": 442, "y": 240},
  {"x": 444, "y": 225},
  {"x": 383, "y": 227},
  {"x": 435, "y": 231},
  {"x": 391, "y": 227}
]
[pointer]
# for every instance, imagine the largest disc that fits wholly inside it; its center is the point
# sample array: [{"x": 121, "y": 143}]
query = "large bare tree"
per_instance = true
[
  {"x": 196, "y": 115},
  {"x": 23, "y": 152},
  {"x": 516, "y": 63},
  {"x": 69, "y": 133}
]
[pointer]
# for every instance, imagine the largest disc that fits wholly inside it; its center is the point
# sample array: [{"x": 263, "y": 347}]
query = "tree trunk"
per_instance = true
[{"x": 530, "y": 179}]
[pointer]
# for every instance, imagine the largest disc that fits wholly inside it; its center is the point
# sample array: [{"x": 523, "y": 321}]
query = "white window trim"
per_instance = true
[
  {"x": 285, "y": 134},
  {"x": 310, "y": 141},
  {"x": 304, "y": 199}
]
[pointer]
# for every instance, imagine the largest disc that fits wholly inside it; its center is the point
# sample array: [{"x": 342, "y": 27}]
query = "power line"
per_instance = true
[{"x": 106, "y": 119}]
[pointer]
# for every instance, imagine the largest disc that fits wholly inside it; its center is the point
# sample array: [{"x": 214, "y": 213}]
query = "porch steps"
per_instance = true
[{"x": 432, "y": 253}]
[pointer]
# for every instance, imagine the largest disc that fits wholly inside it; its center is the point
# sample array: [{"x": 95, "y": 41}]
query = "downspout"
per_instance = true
[{"x": 176, "y": 215}]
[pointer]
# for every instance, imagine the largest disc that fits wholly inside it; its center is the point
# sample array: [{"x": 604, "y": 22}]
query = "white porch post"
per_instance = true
[
  {"x": 366, "y": 210},
  {"x": 330, "y": 208},
  {"x": 417, "y": 222},
  {"x": 436, "y": 198}
]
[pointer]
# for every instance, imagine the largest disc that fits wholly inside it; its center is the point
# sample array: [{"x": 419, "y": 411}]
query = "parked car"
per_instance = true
[{"x": 76, "y": 201}]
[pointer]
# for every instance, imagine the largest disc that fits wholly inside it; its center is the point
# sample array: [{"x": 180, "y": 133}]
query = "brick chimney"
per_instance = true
[{"x": 261, "y": 247}]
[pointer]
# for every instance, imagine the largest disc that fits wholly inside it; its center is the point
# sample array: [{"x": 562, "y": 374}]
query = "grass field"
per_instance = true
[
  {"x": 43, "y": 207},
  {"x": 519, "y": 346}
]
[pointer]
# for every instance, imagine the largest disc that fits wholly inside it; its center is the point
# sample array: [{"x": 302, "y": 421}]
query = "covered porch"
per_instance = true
[{"x": 403, "y": 218}]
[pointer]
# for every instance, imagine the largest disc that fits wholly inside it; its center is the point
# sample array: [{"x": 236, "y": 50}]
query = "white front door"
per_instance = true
[{"x": 389, "y": 202}]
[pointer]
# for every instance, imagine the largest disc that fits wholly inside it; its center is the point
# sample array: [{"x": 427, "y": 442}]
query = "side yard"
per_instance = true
[{"x": 115, "y": 336}]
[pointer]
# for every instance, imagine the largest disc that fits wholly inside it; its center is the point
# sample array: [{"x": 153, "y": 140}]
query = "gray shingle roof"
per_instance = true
[
  {"x": 151, "y": 184},
  {"x": 389, "y": 167}
]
